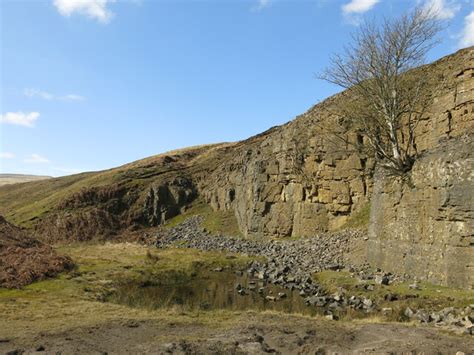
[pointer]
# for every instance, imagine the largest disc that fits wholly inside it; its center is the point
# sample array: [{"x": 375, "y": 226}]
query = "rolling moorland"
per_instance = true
[
  {"x": 8, "y": 179},
  {"x": 318, "y": 246}
]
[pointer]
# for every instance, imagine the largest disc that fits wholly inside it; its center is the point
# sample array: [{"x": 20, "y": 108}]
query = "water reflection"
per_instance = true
[{"x": 211, "y": 290}]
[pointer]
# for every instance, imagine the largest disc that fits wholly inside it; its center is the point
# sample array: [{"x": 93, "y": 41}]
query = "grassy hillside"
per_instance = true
[{"x": 90, "y": 194}]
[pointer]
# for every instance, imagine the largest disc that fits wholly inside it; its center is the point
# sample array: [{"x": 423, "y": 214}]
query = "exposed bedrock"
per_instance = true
[
  {"x": 300, "y": 178},
  {"x": 292, "y": 183},
  {"x": 165, "y": 201},
  {"x": 425, "y": 226}
]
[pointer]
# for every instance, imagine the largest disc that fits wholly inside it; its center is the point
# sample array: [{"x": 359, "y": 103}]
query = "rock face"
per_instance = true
[
  {"x": 291, "y": 181},
  {"x": 425, "y": 225},
  {"x": 297, "y": 179},
  {"x": 165, "y": 201}
]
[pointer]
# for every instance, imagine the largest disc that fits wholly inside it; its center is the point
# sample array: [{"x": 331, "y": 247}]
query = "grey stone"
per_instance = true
[{"x": 409, "y": 313}]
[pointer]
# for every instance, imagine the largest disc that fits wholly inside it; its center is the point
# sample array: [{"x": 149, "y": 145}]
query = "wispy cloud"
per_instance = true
[
  {"x": 48, "y": 96},
  {"x": 36, "y": 159},
  {"x": 20, "y": 118},
  {"x": 443, "y": 9},
  {"x": 354, "y": 10},
  {"x": 358, "y": 6},
  {"x": 7, "y": 155},
  {"x": 37, "y": 93},
  {"x": 467, "y": 35},
  {"x": 261, "y": 4},
  {"x": 95, "y": 9}
]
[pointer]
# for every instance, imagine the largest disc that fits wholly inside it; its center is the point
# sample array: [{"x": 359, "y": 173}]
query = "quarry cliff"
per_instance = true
[{"x": 294, "y": 180}]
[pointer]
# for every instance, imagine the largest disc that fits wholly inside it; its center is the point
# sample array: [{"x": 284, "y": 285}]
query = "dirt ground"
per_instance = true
[{"x": 254, "y": 333}]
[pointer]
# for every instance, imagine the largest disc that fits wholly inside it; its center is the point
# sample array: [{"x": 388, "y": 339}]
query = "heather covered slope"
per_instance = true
[
  {"x": 292, "y": 180},
  {"x": 24, "y": 259}
]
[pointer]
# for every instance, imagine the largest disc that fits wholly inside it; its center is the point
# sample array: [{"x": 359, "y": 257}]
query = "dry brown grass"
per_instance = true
[{"x": 24, "y": 260}]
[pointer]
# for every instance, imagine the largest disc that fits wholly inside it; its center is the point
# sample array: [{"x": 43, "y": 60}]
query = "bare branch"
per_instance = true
[{"x": 388, "y": 99}]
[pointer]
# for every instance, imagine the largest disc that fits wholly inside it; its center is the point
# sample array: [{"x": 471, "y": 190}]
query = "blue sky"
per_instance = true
[{"x": 92, "y": 84}]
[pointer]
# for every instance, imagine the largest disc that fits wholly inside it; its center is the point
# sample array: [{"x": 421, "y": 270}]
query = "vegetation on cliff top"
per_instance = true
[
  {"x": 26, "y": 204},
  {"x": 386, "y": 100}
]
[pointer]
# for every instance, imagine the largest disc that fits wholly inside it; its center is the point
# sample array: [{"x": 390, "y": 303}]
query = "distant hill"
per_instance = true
[{"x": 8, "y": 179}]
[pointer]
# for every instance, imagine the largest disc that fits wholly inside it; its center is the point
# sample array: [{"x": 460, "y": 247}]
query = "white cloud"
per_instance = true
[
  {"x": 20, "y": 118},
  {"x": 467, "y": 36},
  {"x": 48, "y": 96},
  {"x": 38, "y": 93},
  {"x": 36, "y": 159},
  {"x": 261, "y": 4},
  {"x": 358, "y": 6},
  {"x": 442, "y": 9},
  {"x": 6, "y": 155},
  {"x": 96, "y": 9}
]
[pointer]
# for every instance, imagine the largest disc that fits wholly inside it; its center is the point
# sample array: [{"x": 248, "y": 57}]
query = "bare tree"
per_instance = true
[{"x": 386, "y": 99}]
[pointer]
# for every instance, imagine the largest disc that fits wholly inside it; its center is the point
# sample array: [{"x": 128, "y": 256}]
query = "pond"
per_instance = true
[{"x": 209, "y": 290}]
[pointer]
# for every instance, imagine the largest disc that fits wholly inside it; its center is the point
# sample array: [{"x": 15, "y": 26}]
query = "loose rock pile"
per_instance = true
[
  {"x": 458, "y": 320},
  {"x": 290, "y": 264},
  {"x": 303, "y": 257}
]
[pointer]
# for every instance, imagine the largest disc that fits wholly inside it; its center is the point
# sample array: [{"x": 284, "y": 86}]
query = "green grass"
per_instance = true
[
  {"x": 359, "y": 219},
  {"x": 215, "y": 222}
]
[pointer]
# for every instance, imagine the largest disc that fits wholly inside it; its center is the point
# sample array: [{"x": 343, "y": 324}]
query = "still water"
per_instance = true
[{"x": 211, "y": 290}]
